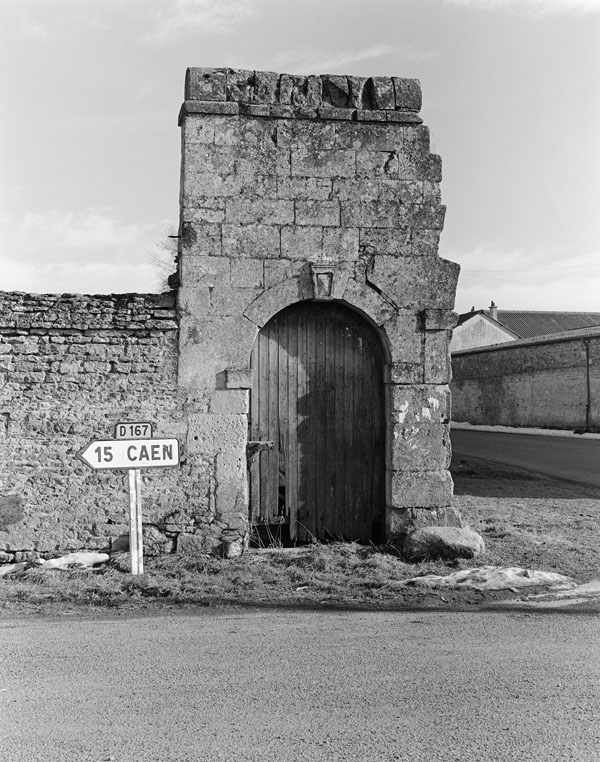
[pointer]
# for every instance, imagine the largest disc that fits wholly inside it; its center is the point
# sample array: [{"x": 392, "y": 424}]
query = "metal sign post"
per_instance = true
[{"x": 133, "y": 454}]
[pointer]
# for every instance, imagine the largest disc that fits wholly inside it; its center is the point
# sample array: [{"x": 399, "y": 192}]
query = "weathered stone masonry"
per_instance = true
[
  {"x": 292, "y": 182},
  {"x": 292, "y": 189},
  {"x": 71, "y": 366}
]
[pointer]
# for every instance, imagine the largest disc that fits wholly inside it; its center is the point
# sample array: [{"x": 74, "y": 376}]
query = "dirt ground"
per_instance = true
[{"x": 528, "y": 520}]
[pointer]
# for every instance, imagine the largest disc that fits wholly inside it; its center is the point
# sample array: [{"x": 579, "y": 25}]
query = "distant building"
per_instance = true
[{"x": 481, "y": 328}]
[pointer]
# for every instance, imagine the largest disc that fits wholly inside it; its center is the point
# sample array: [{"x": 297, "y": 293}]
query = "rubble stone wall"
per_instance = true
[
  {"x": 71, "y": 367},
  {"x": 543, "y": 383},
  {"x": 292, "y": 182}
]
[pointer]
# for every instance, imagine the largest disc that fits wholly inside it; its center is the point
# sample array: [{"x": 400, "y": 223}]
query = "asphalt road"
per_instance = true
[
  {"x": 575, "y": 459},
  {"x": 291, "y": 685}
]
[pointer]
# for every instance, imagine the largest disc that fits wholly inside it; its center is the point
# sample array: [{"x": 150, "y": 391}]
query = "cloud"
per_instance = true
[
  {"x": 86, "y": 251},
  {"x": 528, "y": 280},
  {"x": 533, "y": 7},
  {"x": 173, "y": 21},
  {"x": 323, "y": 61}
]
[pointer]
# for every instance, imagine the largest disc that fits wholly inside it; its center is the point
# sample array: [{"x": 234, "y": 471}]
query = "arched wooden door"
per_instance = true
[{"x": 317, "y": 396}]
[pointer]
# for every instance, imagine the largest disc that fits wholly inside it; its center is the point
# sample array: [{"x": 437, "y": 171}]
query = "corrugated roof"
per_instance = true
[{"x": 529, "y": 324}]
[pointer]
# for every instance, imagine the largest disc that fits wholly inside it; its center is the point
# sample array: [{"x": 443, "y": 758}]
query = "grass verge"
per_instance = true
[{"x": 526, "y": 520}]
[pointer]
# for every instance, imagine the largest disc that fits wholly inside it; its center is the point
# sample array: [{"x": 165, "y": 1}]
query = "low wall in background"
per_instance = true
[{"x": 553, "y": 382}]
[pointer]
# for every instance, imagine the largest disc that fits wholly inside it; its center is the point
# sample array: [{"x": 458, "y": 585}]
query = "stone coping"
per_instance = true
[
  {"x": 46, "y": 312},
  {"x": 283, "y": 96}
]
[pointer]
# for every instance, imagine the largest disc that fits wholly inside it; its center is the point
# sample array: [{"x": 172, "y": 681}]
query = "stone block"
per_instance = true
[
  {"x": 336, "y": 91},
  {"x": 277, "y": 270},
  {"x": 321, "y": 213},
  {"x": 307, "y": 162},
  {"x": 420, "y": 445},
  {"x": 231, "y": 494},
  {"x": 371, "y": 116},
  {"x": 416, "y": 282},
  {"x": 220, "y": 300},
  {"x": 266, "y": 211},
  {"x": 407, "y": 93},
  {"x": 281, "y": 112},
  {"x": 401, "y": 521},
  {"x": 301, "y": 242},
  {"x": 239, "y": 85},
  {"x": 369, "y": 301},
  {"x": 300, "y": 92},
  {"x": 210, "y": 346},
  {"x": 343, "y": 114},
  {"x": 229, "y": 402},
  {"x": 356, "y": 91},
  {"x": 432, "y": 169},
  {"x": 238, "y": 378},
  {"x": 374, "y": 214},
  {"x": 278, "y": 297},
  {"x": 341, "y": 244},
  {"x": 248, "y": 273},
  {"x": 439, "y": 320},
  {"x": 255, "y": 109},
  {"x": 304, "y": 188},
  {"x": 406, "y": 373},
  {"x": 195, "y": 544},
  {"x": 403, "y": 117},
  {"x": 404, "y": 337},
  {"x": 204, "y": 84},
  {"x": 425, "y": 243},
  {"x": 191, "y": 108},
  {"x": 421, "y": 489},
  {"x": 210, "y": 433},
  {"x": 390, "y": 241},
  {"x": 429, "y": 216},
  {"x": 266, "y": 84},
  {"x": 198, "y": 131},
  {"x": 371, "y": 164},
  {"x": 382, "y": 93},
  {"x": 251, "y": 241},
  {"x": 375, "y": 137},
  {"x": 437, "y": 366},
  {"x": 205, "y": 271},
  {"x": 11, "y": 510},
  {"x": 420, "y": 403}
]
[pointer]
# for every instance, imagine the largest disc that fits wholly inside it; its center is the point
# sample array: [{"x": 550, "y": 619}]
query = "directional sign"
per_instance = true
[
  {"x": 133, "y": 431},
  {"x": 131, "y": 453}
]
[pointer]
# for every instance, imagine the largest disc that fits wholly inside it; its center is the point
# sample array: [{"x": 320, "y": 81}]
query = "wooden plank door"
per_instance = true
[{"x": 317, "y": 395}]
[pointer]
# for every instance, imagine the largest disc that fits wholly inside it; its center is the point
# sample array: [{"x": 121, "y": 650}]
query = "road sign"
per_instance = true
[
  {"x": 131, "y": 453},
  {"x": 133, "y": 430}
]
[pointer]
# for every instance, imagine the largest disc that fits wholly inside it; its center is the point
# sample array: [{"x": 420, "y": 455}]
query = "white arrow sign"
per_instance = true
[{"x": 131, "y": 453}]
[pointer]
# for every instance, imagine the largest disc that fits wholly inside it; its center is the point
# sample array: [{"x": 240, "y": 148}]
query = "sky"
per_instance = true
[{"x": 90, "y": 147}]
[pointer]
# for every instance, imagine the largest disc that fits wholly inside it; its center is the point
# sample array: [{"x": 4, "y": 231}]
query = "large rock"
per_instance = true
[{"x": 442, "y": 542}]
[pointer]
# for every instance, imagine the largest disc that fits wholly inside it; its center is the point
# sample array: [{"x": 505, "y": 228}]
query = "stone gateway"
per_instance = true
[{"x": 303, "y": 361}]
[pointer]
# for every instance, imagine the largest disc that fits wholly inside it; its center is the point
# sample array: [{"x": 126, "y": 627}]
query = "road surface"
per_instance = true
[
  {"x": 575, "y": 459},
  {"x": 302, "y": 686}
]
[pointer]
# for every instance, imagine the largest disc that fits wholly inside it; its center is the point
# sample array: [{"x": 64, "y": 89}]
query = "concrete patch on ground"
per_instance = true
[
  {"x": 579, "y": 594},
  {"x": 496, "y": 578}
]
